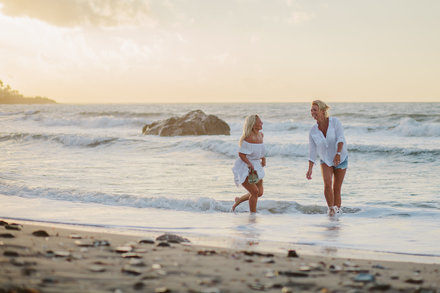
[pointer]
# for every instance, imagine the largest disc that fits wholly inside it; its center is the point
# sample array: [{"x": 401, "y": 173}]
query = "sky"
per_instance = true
[{"x": 221, "y": 51}]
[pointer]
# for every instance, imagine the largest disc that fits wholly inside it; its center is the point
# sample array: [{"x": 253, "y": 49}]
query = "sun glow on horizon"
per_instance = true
[{"x": 154, "y": 51}]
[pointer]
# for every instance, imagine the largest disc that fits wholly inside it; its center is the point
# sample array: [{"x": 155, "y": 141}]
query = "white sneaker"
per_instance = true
[
  {"x": 338, "y": 211},
  {"x": 331, "y": 211}
]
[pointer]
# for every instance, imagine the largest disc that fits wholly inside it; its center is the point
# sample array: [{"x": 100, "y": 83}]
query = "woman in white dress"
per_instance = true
[
  {"x": 326, "y": 139},
  {"x": 251, "y": 157}
]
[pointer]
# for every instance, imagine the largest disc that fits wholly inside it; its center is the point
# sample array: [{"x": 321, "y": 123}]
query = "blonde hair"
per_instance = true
[
  {"x": 249, "y": 123},
  {"x": 322, "y": 107}
]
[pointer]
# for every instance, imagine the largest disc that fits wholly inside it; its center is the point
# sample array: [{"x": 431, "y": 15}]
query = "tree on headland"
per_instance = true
[{"x": 11, "y": 96}]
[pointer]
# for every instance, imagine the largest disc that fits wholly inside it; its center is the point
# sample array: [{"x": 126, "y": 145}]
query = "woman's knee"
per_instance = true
[
  {"x": 337, "y": 189},
  {"x": 328, "y": 185},
  {"x": 254, "y": 192}
]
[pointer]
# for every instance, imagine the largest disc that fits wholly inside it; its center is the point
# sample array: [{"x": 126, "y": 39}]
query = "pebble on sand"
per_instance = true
[
  {"x": 292, "y": 253},
  {"x": 13, "y": 226},
  {"x": 40, "y": 233}
]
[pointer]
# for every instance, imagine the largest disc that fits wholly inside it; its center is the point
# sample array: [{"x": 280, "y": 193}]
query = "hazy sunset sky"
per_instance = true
[{"x": 115, "y": 51}]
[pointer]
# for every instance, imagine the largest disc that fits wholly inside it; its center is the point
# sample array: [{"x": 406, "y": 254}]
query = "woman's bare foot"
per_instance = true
[{"x": 237, "y": 202}]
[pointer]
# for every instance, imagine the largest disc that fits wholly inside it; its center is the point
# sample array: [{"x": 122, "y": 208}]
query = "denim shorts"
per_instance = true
[{"x": 342, "y": 165}]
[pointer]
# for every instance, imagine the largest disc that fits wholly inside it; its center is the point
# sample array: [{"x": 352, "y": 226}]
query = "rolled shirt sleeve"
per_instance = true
[
  {"x": 339, "y": 132},
  {"x": 313, "y": 152}
]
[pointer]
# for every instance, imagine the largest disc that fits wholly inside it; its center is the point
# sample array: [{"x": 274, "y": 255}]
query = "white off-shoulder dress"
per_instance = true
[{"x": 254, "y": 152}]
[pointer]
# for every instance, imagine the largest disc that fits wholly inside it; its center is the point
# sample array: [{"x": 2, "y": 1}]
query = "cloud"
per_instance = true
[{"x": 73, "y": 13}]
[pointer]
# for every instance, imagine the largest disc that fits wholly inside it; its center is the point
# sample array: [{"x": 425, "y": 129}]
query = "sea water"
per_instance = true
[{"x": 90, "y": 165}]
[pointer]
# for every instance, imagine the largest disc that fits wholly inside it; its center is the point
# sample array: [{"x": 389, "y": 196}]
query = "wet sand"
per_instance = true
[{"x": 45, "y": 258}]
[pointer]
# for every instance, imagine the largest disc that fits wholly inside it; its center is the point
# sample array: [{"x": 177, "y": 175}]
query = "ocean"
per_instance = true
[{"x": 91, "y": 166}]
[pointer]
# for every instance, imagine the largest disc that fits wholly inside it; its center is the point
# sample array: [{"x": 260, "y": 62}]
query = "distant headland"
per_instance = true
[{"x": 11, "y": 96}]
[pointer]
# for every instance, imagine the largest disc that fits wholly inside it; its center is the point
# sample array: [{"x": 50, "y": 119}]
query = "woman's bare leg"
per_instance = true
[
  {"x": 253, "y": 195},
  {"x": 327, "y": 176},
  {"x": 239, "y": 200},
  {"x": 337, "y": 186}
]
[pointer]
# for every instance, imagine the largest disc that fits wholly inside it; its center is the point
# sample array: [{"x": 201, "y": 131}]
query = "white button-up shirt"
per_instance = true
[{"x": 327, "y": 146}]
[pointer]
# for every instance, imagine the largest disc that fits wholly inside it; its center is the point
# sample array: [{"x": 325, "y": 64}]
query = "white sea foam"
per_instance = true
[{"x": 411, "y": 127}]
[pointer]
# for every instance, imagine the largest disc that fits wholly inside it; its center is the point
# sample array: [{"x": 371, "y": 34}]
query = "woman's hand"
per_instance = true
[
  {"x": 263, "y": 161},
  {"x": 250, "y": 166},
  {"x": 337, "y": 160},
  {"x": 309, "y": 174},
  {"x": 309, "y": 171}
]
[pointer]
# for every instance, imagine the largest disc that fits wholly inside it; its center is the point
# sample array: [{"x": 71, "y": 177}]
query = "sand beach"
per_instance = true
[{"x": 45, "y": 258}]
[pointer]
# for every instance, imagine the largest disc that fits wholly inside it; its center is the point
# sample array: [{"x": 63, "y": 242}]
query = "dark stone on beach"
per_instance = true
[
  {"x": 379, "y": 287},
  {"x": 28, "y": 271},
  {"x": 16, "y": 227},
  {"x": 293, "y": 274},
  {"x": 206, "y": 252},
  {"x": 334, "y": 268},
  {"x": 6, "y": 235},
  {"x": 171, "y": 238},
  {"x": 253, "y": 253},
  {"x": 292, "y": 253},
  {"x": 193, "y": 123},
  {"x": 131, "y": 271},
  {"x": 11, "y": 253},
  {"x": 147, "y": 241},
  {"x": 50, "y": 253},
  {"x": 40, "y": 233},
  {"x": 49, "y": 280},
  {"x": 138, "y": 286},
  {"x": 3, "y": 223},
  {"x": 163, "y": 244}
]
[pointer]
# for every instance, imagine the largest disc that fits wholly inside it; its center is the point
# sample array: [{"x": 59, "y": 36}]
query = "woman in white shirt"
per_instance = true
[
  {"x": 251, "y": 157},
  {"x": 326, "y": 140}
]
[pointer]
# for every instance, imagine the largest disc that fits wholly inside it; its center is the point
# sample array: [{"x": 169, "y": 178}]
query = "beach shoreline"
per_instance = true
[{"x": 86, "y": 259}]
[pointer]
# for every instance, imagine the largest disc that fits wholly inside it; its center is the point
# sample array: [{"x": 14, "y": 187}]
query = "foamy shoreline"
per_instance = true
[{"x": 80, "y": 259}]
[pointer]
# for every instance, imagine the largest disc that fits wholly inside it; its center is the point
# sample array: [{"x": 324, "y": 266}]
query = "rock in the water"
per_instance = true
[
  {"x": 172, "y": 238},
  {"x": 193, "y": 123}
]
